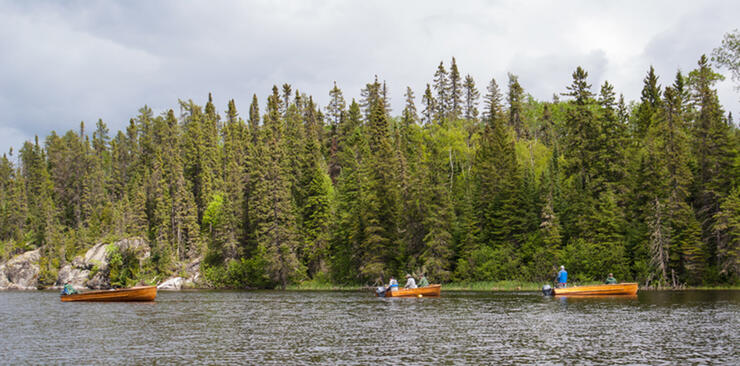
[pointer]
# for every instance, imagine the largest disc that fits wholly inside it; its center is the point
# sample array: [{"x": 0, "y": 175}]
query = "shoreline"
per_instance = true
[{"x": 482, "y": 286}]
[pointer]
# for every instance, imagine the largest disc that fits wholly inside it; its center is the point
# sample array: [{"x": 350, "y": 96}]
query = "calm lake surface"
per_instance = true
[{"x": 273, "y": 327}]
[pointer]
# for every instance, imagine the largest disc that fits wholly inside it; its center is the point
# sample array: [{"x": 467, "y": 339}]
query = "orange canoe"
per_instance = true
[
  {"x": 431, "y": 290},
  {"x": 144, "y": 293},
  {"x": 615, "y": 289}
]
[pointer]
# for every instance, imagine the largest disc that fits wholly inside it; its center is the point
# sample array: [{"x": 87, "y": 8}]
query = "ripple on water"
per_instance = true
[{"x": 272, "y": 327}]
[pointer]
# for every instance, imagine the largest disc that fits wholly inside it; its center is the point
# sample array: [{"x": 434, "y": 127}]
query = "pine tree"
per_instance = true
[
  {"x": 39, "y": 191},
  {"x": 498, "y": 177},
  {"x": 369, "y": 96},
  {"x": 442, "y": 88},
  {"x": 471, "y": 96},
  {"x": 348, "y": 230},
  {"x": 13, "y": 201},
  {"x": 438, "y": 247},
  {"x": 287, "y": 94},
  {"x": 272, "y": 209},
  {"x": 727, "y": 228},
  {"x": 492, "y": 102},
  {"x": 315, "y": 210},
  {"x": 236, "y": 144},
  {"x": 714, "y": 154},
  {"x": 336, "y": 107},
  {"x": 650, "y": 102},
  {"x": 254, "y": 119},
  {"x": 199, "y": 153},
  {"x": 514, "y": 98},
  {"x": 380, "y": 248},
  {"x": 582, "y": 143},
  {"x": 611, "y": 166},
  {"x": 455, "y": 93},
  {"x": 430, "y": 105}
]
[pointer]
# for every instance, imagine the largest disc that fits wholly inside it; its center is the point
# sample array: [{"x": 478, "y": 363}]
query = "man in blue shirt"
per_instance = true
[{"x": 562, "y": 277}]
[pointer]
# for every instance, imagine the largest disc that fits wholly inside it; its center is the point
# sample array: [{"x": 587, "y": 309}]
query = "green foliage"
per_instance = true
[
  {"x": 728, "y": 55},
  {"x": 506, "y": 190},
  {"x": 124, "y": 269},
  {"x": 239, "y": 274}
]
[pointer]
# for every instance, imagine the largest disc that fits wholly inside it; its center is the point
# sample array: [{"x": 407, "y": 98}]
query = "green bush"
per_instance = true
[
  {"x": 47, "y": 271},
  {"x": 242, "y": 273},
  {"x": 123, "y": 267}
]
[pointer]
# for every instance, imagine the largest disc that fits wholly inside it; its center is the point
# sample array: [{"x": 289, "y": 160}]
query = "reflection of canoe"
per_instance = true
[
  {"x": 431, "y": 290},
  {"x": 144, "y": 293},
  {"x": 598, "y": 290}
]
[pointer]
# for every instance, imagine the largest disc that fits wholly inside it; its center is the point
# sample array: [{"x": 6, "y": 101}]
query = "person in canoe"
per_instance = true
[
  {"x": 423, "y": 281},
  {"x": 68, "y": 289},
  {"x": 611, "y": 280},
  {"x": 562, "y": 277},
  {"x": 392, "y": 285},
  {"x": 410, "y": 282}
]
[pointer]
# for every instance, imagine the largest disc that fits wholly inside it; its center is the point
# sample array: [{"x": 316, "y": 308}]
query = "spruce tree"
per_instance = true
[
  {"x": 650, "y": 102},
  {"x": 492, "y": 102},
  {"x": 714, "y": 153},
  {"x": 471, "y": 95},
  {"x": 272, "y": 209},
  {"x": 516, "y": 93},
  {"x": 455, "y": 93},
  {"x": 430, "y": 105},
  {"x": 381, "y": 250},
  {"x": 442, "y": 88}
]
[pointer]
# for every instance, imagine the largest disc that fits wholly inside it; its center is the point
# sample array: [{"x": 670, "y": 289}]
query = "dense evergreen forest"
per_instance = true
[{"x": 474, "y": 183}]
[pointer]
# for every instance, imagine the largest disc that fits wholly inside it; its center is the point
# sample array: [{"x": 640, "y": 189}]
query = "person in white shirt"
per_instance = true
[
  {"x": 410, "y": 282},
  {"x": 392, "y": 285}
]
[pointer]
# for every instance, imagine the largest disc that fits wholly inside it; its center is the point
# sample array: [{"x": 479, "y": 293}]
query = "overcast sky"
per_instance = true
[{"x": 62, "y": 62}]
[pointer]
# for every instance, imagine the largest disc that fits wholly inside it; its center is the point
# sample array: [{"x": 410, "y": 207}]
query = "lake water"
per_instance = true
[{"x": 274, "y": 327}]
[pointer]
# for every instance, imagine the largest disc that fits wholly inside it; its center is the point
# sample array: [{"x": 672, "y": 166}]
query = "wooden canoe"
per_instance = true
[
  {"x": 596, "y": 290},
  {"x": 144, "y": 293},
  {"x": 431, "y": 290}
]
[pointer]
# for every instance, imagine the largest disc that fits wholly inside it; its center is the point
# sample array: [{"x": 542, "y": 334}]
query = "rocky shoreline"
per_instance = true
[{"x": 90, "y": 271}]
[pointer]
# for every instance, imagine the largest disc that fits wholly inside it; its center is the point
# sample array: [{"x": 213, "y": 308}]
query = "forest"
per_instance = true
[{"x": 468, "y": 182}]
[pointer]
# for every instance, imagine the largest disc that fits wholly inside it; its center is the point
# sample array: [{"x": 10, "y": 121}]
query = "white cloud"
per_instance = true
[{"x": 71, "y": 61}]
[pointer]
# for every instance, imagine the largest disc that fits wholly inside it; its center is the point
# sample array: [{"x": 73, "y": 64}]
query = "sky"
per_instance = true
[{"x": 63, "y": 62}]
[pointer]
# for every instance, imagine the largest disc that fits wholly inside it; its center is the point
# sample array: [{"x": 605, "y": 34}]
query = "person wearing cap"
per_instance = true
[
  {"x": 410, "y": 282},
  {"x": 562, "y": 277},
  {"x": 611, "y": 280}
]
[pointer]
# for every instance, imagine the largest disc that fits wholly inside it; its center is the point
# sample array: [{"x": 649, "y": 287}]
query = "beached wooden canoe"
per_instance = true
[
  {"x": 431, "y": 290},
  {"x": 615, "y": 289},
  {"x": 144, "y": 293}
]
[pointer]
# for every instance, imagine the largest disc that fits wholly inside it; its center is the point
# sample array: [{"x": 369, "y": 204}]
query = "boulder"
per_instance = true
[
  {"x": 192, "y": 276},
  {"x": 172, "y": 284},
  {"x": 21, "y": 272},
  {"x": 91, "y": 270},
  {"x": 73, "y": 275}
]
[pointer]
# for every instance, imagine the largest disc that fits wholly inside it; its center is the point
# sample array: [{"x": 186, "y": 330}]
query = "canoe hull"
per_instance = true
[
  {"x": 431, "y": 290},
  {"x": 629, "y": 289},
  {"x": 144, "y": 293}
]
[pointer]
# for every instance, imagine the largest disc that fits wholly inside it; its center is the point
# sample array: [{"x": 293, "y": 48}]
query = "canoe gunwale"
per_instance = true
[
  {"x": 143, "y": 293},
  {"x": 429, "y": 291},
  {"x": 598, "y": 290}
]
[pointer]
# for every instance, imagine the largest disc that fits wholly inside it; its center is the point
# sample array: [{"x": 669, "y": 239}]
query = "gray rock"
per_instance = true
[
  {"x": 21, "y": 272},
  {"x": 91, "y": 270},
  {"x": 74, "y": 275},
  {"x": 172, "y": 284}
]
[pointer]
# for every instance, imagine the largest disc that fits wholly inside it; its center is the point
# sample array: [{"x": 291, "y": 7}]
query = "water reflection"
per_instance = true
[{"x": 270, "y": 327}]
